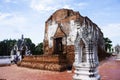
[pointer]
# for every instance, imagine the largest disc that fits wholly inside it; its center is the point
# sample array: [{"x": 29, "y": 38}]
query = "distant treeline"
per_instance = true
[{"x": 7, "y": 45}]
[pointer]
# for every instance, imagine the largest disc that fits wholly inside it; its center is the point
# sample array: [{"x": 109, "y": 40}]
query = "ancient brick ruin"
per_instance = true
[
  {"x": 61, "y": 32},
  {"x": 59, "y": 39}
]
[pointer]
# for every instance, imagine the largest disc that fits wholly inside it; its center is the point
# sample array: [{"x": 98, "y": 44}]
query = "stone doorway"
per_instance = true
[{"x": 58, "y": 47}]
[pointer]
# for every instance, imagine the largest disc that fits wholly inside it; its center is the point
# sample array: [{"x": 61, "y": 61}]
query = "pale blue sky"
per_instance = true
[{"x": 28, "y": 17}]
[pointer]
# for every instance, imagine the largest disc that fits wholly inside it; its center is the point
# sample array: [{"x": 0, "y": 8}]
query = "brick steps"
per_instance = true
[{"x": 45, "y": 62}]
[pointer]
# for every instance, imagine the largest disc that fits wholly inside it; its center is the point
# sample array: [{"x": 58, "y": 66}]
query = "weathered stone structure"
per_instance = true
[
  {"x": 86, "y": 52},
  {"x": 20, "y": 49},
  {"x": 61, "y": 30}
]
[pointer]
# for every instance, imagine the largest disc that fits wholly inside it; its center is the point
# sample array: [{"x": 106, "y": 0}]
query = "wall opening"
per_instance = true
[{"x": 58, "y": 48}]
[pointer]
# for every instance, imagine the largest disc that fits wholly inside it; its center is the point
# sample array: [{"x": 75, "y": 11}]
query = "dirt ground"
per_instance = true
[{"x": 109, "y": 69}]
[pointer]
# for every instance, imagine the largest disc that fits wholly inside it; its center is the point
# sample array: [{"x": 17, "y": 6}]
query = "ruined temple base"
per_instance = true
[{"x": 45, "y": 62}]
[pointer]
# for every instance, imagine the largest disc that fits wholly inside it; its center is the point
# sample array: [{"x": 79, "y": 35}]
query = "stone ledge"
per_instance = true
[
  {"x": 44, "y": 66},
  {"x": 51, "y": 62}
]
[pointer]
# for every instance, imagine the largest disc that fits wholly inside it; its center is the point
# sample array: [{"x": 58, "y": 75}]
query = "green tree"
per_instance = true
[
  {"x": 30, "y": 45},
  {"x": 108, "y": 44},
  {"x": 6, "y": 46},
  {"x": 39, "y": 49},
  {"x": 36, "y": 50}
]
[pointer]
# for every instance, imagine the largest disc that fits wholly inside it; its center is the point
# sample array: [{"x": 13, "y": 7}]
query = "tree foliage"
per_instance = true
[
  {"x": 6, "y": 46},
  {"x": 39, "y": 49},
  {"x": 36, "y": 50},
  {"x": 30, "y": 45},
  {"x": 108, "y": 44}
]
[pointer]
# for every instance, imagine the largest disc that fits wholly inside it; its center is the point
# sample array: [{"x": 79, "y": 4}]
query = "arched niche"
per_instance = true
[{"x": 80, "y": 51}]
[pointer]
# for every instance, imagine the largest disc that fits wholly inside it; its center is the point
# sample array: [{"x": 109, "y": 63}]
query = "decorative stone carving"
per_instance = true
[
  {"x": 86, "y": 59},
  {"x": 19, "y": 50}
]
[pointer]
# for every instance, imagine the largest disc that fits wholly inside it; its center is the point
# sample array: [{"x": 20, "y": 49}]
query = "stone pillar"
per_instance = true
[{"x": 86, "y": 70}]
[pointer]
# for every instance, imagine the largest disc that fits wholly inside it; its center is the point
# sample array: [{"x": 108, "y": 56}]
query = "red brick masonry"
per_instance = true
[
  {"x": 45, "y": 62},
  {"x": 109, "y": 70}
]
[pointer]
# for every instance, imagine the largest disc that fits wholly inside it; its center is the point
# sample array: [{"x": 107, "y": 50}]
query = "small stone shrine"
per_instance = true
[
  {"x": 20, "y": 49},
  {"x": 86, "y": 52}
]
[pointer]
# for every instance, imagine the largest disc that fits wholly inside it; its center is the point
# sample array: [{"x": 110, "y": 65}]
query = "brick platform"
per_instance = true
[{"x": 45, "y": 62}]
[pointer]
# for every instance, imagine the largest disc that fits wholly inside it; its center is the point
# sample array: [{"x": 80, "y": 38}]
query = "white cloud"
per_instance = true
[
  {"x": 67, "y": 7},
  {"x": 4, "y": 15},
  {"x": 11, "y": 24},
  {"x": 112, "y": 31},
  {"x": 81, "y": 5},
  {"x": 10, "y": 1},
  {"x": 43, "y": 5},
  {"x": 12, "y": 20},
  {"x": 48, "y": 5}
]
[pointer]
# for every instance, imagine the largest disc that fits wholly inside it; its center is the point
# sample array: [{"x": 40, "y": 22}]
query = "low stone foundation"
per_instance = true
[{"x": 45, "y": 62}]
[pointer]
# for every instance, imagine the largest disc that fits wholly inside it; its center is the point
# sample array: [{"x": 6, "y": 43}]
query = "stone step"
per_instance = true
[
  {"x": 44, "y": 66},
  {"x": 53, "y": 62}
]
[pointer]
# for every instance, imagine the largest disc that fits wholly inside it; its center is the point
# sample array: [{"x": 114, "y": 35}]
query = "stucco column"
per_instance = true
[{"x": 86, "y": 70}]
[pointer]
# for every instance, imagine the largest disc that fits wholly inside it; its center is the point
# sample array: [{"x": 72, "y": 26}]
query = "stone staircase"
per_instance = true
[{"x": 45, "y": 62}]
